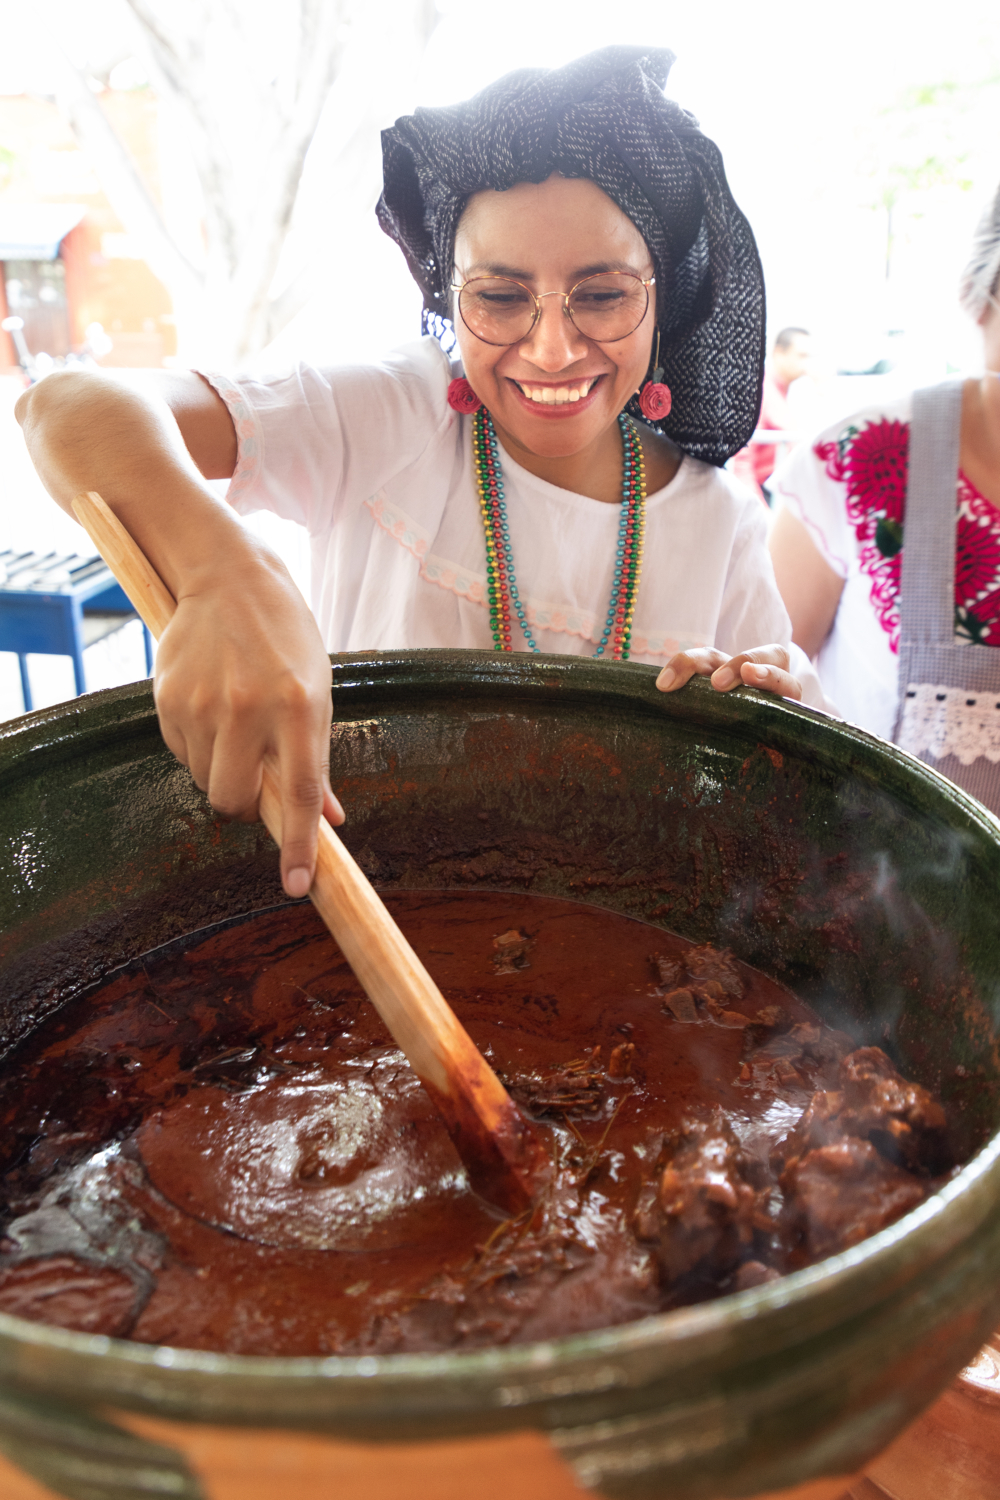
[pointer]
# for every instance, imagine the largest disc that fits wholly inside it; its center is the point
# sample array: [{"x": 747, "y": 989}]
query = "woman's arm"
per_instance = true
[
  {"x": 241, "y": 670},
  {"x": 201, "y": 415},
  {"x": 808, "y": 585}
]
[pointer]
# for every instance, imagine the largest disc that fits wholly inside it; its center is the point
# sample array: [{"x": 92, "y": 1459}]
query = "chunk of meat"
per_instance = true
[
  {"x": 680, "y": 1004},
  {"x": 667, "y": 970},
  {"x": 699, "y": 1002},
  {"x": 814, "y": 1047},
  {"x": 704, "y": 1205},
  {"x": 710, "y": 996},
  {"x": 70, "y": 1293},
  {"x": 714, "y": 964},
  {"x": 879, "y": 1102},
  {"x": 559, "y": 1093},
  {"x": 713, "y": 983},
  {"x": 511, "y": 951},
  {"x": 840, "y": 1194},
  {"x": 805, "y": 1056},
  {"x": 819, "y": 1125},
  {"x": 872, "y": 1103},
  {"x": 577, "y": 1088},
  {"x": 724, "y": 1017}
]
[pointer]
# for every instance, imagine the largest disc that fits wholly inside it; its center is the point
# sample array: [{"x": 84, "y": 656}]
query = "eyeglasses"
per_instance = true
[{"x": 605, "y": 308}]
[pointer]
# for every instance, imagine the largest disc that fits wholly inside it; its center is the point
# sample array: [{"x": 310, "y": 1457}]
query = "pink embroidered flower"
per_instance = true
[
  {"x": 876, "y": 467},
  {"x": 977, "y": 560},
  {"x": 655, "y": 400},
  {"x": 462, "y": 398}
]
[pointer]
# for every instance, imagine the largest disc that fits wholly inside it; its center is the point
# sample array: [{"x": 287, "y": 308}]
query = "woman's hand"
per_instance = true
[
  {"x": 241, "y": 673},
  {"x": 764, "y": 667}
]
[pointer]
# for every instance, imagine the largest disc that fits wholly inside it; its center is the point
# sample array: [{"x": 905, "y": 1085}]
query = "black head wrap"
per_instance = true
[{"x": 603, "y": 117}]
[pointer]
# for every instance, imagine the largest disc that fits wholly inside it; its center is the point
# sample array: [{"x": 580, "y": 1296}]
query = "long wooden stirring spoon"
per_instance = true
[{"x": 501, "y": 1151}]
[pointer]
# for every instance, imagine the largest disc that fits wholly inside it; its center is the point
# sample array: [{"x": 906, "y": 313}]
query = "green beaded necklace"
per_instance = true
[{"x": 501, "y": 582}]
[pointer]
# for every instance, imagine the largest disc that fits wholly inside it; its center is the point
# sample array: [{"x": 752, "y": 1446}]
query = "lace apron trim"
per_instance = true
[
  {"x": 949, "y": 703},
  {"x": 938, "y": 720}
]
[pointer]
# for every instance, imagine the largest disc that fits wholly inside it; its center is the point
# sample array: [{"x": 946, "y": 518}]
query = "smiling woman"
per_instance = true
[
  {"x": 542, "y": 470},
  {"x": 556, "y": 366}
]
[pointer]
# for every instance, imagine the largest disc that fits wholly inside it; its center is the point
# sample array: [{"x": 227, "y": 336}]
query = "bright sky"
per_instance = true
[
  {"x": 804, "y": 100},
  {"x": 803, "y": 96},
  {"x": 795, "y": 93}
]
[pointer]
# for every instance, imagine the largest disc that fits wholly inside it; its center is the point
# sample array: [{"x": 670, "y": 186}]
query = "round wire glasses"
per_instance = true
[{"x": 605, "y": 308}]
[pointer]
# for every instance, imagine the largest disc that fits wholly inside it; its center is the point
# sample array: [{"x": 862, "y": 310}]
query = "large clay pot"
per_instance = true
[{"x": 811, "y": 849}]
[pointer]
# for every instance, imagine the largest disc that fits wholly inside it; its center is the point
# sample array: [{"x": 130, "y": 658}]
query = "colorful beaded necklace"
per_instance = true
[{"x": 501, "y": 582}]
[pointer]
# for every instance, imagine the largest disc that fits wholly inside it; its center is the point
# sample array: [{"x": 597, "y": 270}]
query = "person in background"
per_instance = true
[
  {"x": 789, "y": 359},
  {"x": 886, "y": 548}
]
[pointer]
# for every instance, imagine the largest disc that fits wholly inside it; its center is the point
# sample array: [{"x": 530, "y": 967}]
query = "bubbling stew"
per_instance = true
[{"x": 221, "y": 1148}]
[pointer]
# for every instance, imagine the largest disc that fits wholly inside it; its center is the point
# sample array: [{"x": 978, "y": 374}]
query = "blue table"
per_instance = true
[{"x": 56, "y": 604}]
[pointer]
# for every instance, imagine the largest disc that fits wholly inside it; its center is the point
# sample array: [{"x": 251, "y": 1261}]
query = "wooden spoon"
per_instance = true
[{"x": 501, "y": 1151}]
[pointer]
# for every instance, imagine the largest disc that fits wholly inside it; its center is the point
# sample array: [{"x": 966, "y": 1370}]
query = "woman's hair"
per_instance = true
[
  {"x": 982, "y": 274},
  {"x": 603, "y": 117}
]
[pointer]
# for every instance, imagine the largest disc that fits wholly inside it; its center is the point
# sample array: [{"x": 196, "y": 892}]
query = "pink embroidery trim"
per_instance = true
[
  {"x": 472, "y": 586},
  {"x": 249, "y": 438},
  {"x": 871, "y": 463},
  {"x": 838, "y": 564},
  {"x": 435, "y": 570}
]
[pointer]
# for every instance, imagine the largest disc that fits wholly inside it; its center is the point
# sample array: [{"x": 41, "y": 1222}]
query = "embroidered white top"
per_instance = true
[
  {"x": 858, "y": 661},
  {"x": 378, "y": 468}
]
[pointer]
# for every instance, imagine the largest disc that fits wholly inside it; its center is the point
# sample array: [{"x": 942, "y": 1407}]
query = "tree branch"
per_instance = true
[
  {"x": 273, "y": 215},
  {"x": 120, "y": 179},
  {"x": 254, "y": 95}
]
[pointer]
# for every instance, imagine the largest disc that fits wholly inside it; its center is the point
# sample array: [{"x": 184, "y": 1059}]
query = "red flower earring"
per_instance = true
[
  {"x": 655, "y": 399},
  {"x": 462, "y": 398}
]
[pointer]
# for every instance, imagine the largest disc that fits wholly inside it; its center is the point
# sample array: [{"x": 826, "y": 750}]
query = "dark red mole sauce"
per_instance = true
[{"x": 220, "y": 1148}]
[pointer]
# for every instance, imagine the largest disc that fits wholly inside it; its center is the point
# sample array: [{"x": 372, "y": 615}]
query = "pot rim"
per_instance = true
[{"x": 582, "y": 677}]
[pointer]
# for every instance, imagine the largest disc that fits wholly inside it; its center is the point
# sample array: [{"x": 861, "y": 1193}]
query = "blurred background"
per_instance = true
[{"x": 192, "y": 182}]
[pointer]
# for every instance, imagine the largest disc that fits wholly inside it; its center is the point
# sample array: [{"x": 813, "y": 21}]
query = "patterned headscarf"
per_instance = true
[
  {"x": 603, "y": 117},
  {"x": 980, "y": 276}
]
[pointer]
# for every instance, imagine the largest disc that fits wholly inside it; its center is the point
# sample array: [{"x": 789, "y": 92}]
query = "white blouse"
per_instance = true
[{"x": 378, "y": 468}]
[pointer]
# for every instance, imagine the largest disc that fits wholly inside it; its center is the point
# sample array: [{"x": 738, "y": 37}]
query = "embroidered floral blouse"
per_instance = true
[
  {"x": 849, "y": 490},
  {"x": 374, "y": 464}
]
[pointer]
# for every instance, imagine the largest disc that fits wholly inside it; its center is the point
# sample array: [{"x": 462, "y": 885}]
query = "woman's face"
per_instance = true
[{"x": 550, "y": 235}]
